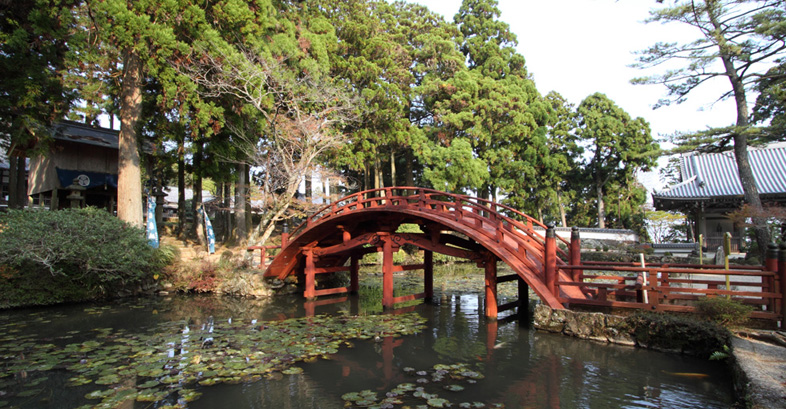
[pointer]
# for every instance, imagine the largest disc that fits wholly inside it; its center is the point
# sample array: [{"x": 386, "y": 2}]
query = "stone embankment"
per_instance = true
[{"x": 586, "y": 325}]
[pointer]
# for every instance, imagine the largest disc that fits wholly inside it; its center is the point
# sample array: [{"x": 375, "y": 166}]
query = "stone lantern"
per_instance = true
[{"x": 75, "y": 196}]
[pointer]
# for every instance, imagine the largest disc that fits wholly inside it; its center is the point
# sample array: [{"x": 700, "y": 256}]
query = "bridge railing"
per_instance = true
[
  {"x": 664, "y": 287},
  {"x": 484, "y": 212}
]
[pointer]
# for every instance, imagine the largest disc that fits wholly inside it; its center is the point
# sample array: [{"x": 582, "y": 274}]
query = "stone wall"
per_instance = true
[{"x": 586, "y": 325}]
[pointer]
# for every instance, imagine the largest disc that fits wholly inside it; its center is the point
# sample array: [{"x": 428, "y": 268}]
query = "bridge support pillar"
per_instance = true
[
  {"x": 523, "y": 309},
  {"x": 428, "y": 274},
  {"x": 310, "y": 271},
  {"x": 354, "y": 271},
  {"x": 491, "y": 286},
  {"x": 387, "y": 271}
]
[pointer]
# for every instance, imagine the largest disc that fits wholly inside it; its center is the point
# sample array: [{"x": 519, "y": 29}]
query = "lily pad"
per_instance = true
[
  {"x": 292, "y": 371},
  {"x": 438, "y": 403},
  {"x": 454, "y": 388}
]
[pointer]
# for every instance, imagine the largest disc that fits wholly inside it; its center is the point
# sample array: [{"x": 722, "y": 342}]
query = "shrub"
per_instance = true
[
  {"x": 71, "y": 255},
  {"x": 726, "y": 312},
  {"x": 680, "y": 333}
]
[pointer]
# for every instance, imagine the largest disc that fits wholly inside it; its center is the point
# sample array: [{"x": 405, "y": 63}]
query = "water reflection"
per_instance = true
[{"x": 521, "y": 368}]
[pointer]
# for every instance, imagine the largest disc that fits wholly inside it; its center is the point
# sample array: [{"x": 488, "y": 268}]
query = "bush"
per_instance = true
[
  {"x": 721, "y": 310},
  {"x": 48, "y": 257},
  {"x": 679, "y": 333}
]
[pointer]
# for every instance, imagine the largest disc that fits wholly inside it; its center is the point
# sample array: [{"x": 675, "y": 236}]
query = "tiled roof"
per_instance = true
[
  {"x": 83, "y": 133},
  {"x": 715, "y": 175}
]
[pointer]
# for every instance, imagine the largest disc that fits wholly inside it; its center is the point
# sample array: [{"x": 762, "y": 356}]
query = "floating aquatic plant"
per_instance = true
[
  {"x": 166, "y": 365},
  {"x": 415, "y": 394}
]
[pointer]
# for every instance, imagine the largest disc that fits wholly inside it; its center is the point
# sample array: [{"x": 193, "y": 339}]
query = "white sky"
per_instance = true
[{"x": 579, "y": 47}]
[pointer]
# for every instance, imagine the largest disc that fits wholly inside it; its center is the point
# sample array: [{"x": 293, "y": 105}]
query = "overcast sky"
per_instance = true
[{"x": 579, "y": 47}]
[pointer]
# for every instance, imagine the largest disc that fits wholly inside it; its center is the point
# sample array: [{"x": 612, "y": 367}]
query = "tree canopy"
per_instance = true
[{"x": 377, "y": 93}]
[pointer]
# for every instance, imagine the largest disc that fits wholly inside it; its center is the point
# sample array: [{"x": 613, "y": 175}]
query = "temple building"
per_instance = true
[
  {"x": 79, "y": 155},
  {"x": 710, "y": 189}
]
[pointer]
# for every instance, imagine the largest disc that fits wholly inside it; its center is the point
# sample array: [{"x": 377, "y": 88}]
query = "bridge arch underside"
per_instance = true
[{"x": 326, "y": 247}]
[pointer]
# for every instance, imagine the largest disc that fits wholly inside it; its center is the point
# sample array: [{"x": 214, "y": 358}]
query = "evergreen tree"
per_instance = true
[{"x": 617, "y": 146}]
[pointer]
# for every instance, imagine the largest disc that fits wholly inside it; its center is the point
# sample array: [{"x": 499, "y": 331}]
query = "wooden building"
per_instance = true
[
  {"x": 710, "y": 189},
  {"x": 81, "y": 154}
]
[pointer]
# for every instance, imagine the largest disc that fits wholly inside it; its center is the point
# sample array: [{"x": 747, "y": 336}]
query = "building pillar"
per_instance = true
[
  {"x": 771, "y": 264},
  {"x": 782, "y": 276},
  {"x": 701, "y": 222}
]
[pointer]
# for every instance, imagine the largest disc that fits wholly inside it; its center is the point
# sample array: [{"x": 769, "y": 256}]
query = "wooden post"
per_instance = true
[
  {"x": 771, "y": 264},
  {"x": 523, "y": 309},
  {"x": 782, "y": 277},
  {"x": 575, "y": 252},
  {"x": 284, "y": 240},
  {"x": 310, "y": 291},
  {"x": 262, "y": 257},
  {"x": 491, "y": 286},
  {"x": 550, "y": 260},
  {"x": 428, "y": 274},
  {"x": 387, "y": 271},
  {"x": 354, "y": 272}
]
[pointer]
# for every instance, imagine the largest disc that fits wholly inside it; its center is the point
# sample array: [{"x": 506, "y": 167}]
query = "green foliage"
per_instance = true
[
  {"x": 720, "y": 355},
  {"x": 680, "y": 333},
  {"x": 724, "y": 311},
  {"x": 34, "y": 52},
  {"x": 617, "y": 148},
  {"x": 70, "y": 255}
]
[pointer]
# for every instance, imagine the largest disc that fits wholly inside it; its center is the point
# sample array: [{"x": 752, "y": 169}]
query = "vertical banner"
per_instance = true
[
  {"x": 211, "y": 235},
  {"x": 152, "y": 230}
]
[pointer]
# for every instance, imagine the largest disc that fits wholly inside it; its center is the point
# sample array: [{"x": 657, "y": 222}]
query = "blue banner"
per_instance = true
[
  {"x": 152, "y": 230},
  {"x": 211, "y": 235}
]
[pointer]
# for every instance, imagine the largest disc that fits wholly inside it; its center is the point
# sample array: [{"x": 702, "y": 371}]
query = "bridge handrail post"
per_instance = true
[
  {"x": 550, "y": 260},
  {"x": 575, "y": 253},
  {"x": 782, "y": 277}
]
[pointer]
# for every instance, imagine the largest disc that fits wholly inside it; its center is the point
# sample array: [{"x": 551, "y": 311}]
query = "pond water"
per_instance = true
[{"x": 459, "y": 359}]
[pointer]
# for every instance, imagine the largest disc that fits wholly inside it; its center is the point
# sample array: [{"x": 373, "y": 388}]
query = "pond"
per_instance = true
[{"x": 211, "y": 352}]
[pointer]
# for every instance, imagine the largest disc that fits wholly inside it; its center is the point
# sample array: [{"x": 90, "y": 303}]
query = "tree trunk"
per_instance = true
[
  {"x": 409, "y": 178},
  {"x": 309, "y": 188},
  {"x": 241, "y": 193},
  {"x": 601, "y": 204},
  {"x": 181, "y": 188},
  {"x": 17, "y": 182},
  {"x": 562, "y": 215},
  {"x": 750, "y": 191},
  {"x": 366, "y": 176},
  {"x": 198, "y": 227},
  {"x": 392, "y": 168},
  {"x": 378, "y": 184},
  {"x": 129, "y": 175},
  {"x": 227, "y": 214}
]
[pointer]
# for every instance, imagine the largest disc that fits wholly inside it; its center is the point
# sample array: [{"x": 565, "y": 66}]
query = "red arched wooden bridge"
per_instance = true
[
  {"x": 487, "y": 232},
  {"x": 452, "y": 224}
]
